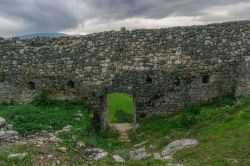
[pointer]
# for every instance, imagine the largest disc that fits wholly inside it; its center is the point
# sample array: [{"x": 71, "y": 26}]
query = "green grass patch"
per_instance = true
[
  {"x": 28, "y": 118},
  {"x": 120, "y": 108},
  {"x": 222, "y": 128},
  {"x": 6, "y": 150},
  {"x": 45, "y": 114}
]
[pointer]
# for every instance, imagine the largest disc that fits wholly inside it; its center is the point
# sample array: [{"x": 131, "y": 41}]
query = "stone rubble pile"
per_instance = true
[
  {"x": 94, "y": 154},
  {"x": 7, "y": 136}
]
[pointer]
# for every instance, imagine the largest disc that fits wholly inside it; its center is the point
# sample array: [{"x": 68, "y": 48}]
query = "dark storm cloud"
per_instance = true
[
  {"x": 38, "y": 16},
  {"x": 153, "y": 8},
  {"x": 29, "y": 16}
]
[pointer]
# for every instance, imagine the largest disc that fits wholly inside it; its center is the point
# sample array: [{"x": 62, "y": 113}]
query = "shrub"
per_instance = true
[
  {"x": 42, "y": 99},
  {"x": 226, "y": 99}
]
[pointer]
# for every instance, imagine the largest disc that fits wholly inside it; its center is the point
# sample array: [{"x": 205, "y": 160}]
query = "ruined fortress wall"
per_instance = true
[{"x": 162, "y": 68}]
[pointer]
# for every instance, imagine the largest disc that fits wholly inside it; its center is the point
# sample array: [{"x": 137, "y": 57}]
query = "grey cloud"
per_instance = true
[
  {"x": 39, "y": 16},
  {"x": 59, "y": 15},
  {"x": 152, "y": 8}
]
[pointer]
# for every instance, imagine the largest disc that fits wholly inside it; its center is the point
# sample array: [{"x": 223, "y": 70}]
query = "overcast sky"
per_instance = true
[{"x": 86, "y": 16}]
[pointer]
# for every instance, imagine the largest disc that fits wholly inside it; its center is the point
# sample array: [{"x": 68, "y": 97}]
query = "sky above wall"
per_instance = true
[{"x": 87, "y": 16}]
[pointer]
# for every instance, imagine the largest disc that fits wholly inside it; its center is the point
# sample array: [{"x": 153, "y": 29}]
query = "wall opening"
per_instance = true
[
  {"x": 120, "y": 108},
  {"x": 177, "y": 82},
  {"x": 31, "y": 85},
  {"x": 149, "y": 80},
  {"x": 71, "y": 84},
  {"x": 206, "y": 79}
]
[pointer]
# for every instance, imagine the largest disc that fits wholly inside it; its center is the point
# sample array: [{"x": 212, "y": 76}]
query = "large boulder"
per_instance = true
[{"x": 179, "y": 145}]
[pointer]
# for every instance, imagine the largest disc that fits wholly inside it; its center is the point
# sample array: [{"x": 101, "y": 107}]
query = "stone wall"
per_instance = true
[{"x": 162, "y": 68}]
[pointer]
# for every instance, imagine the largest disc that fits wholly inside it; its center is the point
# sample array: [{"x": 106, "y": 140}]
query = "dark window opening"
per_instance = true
[
  {"x": 177, "y": 82},
  {"x": 148, "y": 80},
  {"x": 31, "y": 85},
  {"x": 206, "y": 79},
  {"x": 142, "y": 115},
  {"x": 71, "y": 84}
]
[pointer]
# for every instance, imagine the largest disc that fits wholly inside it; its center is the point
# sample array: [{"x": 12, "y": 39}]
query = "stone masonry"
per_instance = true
[{"x": 162, "y": 68}]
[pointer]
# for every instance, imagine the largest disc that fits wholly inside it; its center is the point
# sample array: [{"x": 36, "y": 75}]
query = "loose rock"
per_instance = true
[
  {"x": 17, "y": 155},
  {"x": 140, "y": 144},
  {"x": 157, "y": 156},
  {"x": 6, "y": 136},
  {"x": 141, "y": 154},
  {"x": 80, "y": 144},
  {"x": 118, "y": 159},
  {"x": 65, "y": 129},
  {"x": 164, "y": 158},
  {"x": 179, "y": 145},
  {"x": 171, "y": 164},
  {"x": 63, "y": 149},
  {"x": 94, "y": 154}
]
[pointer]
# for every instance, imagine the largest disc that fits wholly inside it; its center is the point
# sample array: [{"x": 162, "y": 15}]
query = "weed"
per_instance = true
[{"x": 42, "y": 99}]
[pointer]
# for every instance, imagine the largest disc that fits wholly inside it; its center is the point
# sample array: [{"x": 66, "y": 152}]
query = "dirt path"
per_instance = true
[{"x": 123, "y": 129}]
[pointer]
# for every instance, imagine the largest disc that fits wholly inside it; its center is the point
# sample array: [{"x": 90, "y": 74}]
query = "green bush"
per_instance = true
[{"x": 226, "y": 99}]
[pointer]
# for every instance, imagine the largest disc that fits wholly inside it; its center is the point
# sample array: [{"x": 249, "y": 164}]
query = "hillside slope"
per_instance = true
[{"x": 222, "y": 129}]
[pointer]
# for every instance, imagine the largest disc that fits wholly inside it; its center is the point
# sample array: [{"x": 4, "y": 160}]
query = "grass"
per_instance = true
[
  {"x": 44, "y": 113},
  {"x": 29, "y": 118},
  {"x": 19, "y": 148},
  {"x": 222, "y": 129},
  {"x": 120, "y": 108}
]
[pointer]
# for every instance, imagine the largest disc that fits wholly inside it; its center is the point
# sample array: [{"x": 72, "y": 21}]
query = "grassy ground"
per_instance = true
[
  {"x": 29, "y": 118},
  {"x": 222, "y": 129},
  {"x": 43, "y": 113},
  {"x": 120, "y": 108}
]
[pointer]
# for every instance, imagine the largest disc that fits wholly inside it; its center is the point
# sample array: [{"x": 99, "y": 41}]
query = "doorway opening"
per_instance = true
[{"x": 120, "y": 108}]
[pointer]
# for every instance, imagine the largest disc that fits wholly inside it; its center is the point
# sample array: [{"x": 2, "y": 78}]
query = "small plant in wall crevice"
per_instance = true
[{"x": 2, "y": 76}]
